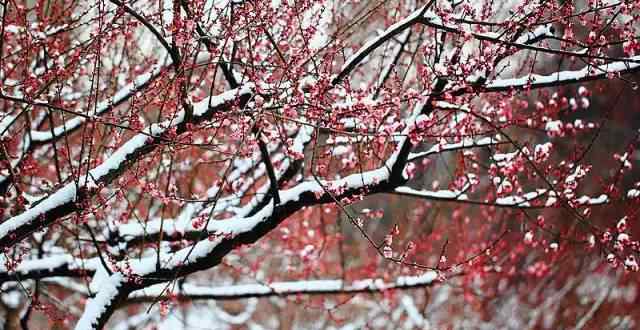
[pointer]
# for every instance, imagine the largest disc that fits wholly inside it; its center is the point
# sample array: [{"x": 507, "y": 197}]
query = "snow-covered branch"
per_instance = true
[
  {"x": 587, "y": 73},
  {"x": 62, "y": 265},
  {"x": 283, "y": 289},
  {"x": 531, "y": 199},
  {"x": 465, "y": 143},
  {"x": 66, "y": 199},
  {"x": 366, "y": 49}
]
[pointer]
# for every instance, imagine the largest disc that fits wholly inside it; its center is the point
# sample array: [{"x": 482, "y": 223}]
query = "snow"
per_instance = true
[
  {"x": 293, "y": 287},
  {"x": 554, "y": 126},
  {"x": 586, "y": 72},
  {"x": 102, "y": 107},
  {"x": 415, "y": 316},
  {"x": 64, "y": 195},
  {"x": 584, "y": 200},
  {"x": 425, "y": 278},
  {"x": 109, "y": 289},
  {"x": 522, "y": 201},
  {"x": 537, "y": 34},
  {"x": 222, "y": 229},
  {"x": 340, "y": 150},
  {"x": 184, "y": 222},
  {"x": 120, "y": 96},
  {"x": 116, "y": 160},
  {"x": 440, "y": 194},
  {"x": 577, "y": 174},
  {"x": 504, "y": 157},
  {"x": 13, "y": 29},
  {"x": 68, "y": 192},
  {"x": 467, "y": 142},
  {"x": 372, "y": 44},
  {"x": 5, "y": 123},
  {"x": 203, "y": 107},
  {"x": 231, "y": 227},
  {"x": 47, "y": 263}
]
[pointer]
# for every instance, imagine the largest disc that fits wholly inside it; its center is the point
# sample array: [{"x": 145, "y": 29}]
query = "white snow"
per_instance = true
[
  {"x": 587, "y": 200},
  {"x": 394, "y": 29},
  {"x": 536, "y": 34},
  {"x": 440, "y": 194},
  {"x": 68, "y": 192},
  {"x": 50, "y": 263},
  {"x": 554, "y": 126},
  {"x": 467, "y": 142},
  {"x": 567, "y": 76},
  {"x": 60, "y": 197},
  {"x": 183, "y": 223},
  {"x": 294, "y": 287},
  {"x": 522, "y": 201},
  {"x": 96, "y": 306},
  {"x": 102, "y": 107},
  {"x": 226, "y": 228},
  {"x": 5, "y": 123}
]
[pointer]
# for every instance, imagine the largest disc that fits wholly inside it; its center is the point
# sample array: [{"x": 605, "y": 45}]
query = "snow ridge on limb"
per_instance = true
[
  {"x": 55, "y": 265},
  {"x": 431, "y": 19},
  {"x": 183, "y": 227},
  {"x": 539, "y": 33},
  {"x": 374, "y": 43},
  {"x": 523, "y": 201},
  {"x": 95, "y": 313},
  {"x": 140, "y": 83},
  {"x": 465, "y": 143},
  {"x": 587, "y": 73},
  {"x": 228, "y": 233},
  {"x": 289, "y": 288},
  {"x": 66, "y": 199},
  {"x": 37, "y": 137}
]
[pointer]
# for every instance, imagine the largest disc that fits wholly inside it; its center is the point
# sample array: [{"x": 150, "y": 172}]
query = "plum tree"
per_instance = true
[{"x": 463, "y": 160}]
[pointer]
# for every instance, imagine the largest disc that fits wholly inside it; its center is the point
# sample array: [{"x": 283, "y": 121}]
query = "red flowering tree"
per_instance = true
[{"x": 385, "y": 164}]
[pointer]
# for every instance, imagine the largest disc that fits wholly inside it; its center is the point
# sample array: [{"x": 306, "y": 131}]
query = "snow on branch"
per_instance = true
[
  {"x": 66, "y": 199},
  {"x": 98, "y": 308},
  {"x": 290, "y": 288},
  {"x": 539, "y": 33},
  {"x": 587, "y": 73},
  {"x": 203, "y": 254},
  {"x": 374, "y": 43},
  {"x": 431, "y": 19},
  {"x": 525, "y": 200},
  {"x": 36, "y": 137},
  {"x": 228, "y": 233},
  {"x": 183, "y": 225},
  {"x": 140, "y": 83},
  {"x": 61, "y": 265},
  {"x": 303, "y": 194},
  {"x": 452, "y": 195},
  {"x": 465, "y": 143}
]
